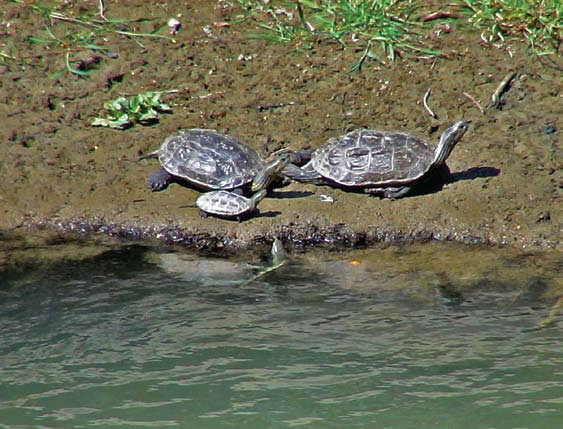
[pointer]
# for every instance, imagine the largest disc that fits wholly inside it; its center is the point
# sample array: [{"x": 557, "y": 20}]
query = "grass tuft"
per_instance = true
[
  {"x": 390, "y": 28},
  {"x": 538, "y": 21},
  {"x": 379, "y": 28}
]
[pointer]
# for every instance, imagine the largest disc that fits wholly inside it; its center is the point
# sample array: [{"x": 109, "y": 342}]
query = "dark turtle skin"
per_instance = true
[{"x": 386, "y": 163}]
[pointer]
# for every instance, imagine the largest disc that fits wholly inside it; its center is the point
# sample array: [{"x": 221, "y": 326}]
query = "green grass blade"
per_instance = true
[
  {"x": 73, "y": 70},
  {"x": 34, "y": 39}
]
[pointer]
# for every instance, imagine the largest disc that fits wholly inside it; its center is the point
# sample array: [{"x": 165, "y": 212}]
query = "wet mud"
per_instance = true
[{"x": 61, "y": 174}]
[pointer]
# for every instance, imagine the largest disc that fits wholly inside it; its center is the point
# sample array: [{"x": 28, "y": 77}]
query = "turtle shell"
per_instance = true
[
  {"x": 209, "y": 159},
  {"x": 373, "y": 158},
  {"x": 223, "y": 203}
]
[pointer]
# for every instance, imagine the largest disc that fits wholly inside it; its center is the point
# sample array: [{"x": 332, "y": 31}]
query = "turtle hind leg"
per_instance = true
[
  {"x": 390, "y": 192},
  {"x": 160, "y": 180}
]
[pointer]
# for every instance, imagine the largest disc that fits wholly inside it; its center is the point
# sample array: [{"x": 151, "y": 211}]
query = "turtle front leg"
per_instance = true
[
  {"x": 305, "y": 174},
  {"x": 160, "y": 180}
]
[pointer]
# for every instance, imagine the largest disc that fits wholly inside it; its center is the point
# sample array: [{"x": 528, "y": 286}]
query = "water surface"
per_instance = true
[{"x": 388, "y": 338}]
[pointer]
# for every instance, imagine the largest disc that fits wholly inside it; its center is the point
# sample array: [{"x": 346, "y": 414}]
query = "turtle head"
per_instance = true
[{"x": 450, "y": 137}]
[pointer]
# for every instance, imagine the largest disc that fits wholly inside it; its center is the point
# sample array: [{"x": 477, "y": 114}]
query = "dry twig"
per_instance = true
[
  {"x": 263, "y": 108},
  {"x": 102, "y": 8},
  {"x": 501, "y": 89},
  {"x": 475, "y": 102},
  {"x": 439, "y": 15},
  {"x": 425, "y": 103}
]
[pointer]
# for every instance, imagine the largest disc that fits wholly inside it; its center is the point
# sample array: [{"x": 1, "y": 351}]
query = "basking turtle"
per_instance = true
[
  {"x": 386, "y": 163},
  {"x": 228, "y": 204},
  {"x": 210, "y": 160}
]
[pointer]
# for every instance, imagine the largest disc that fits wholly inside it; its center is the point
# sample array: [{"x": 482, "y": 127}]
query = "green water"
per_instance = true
[{"x": 374, "y": 339}]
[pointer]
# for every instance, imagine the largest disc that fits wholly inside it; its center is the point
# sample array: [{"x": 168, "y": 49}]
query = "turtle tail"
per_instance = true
[{"x": 148, "y": 155}]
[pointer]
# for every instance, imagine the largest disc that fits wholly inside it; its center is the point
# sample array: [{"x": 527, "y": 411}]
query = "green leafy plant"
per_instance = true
[{"x": 124, "y": 112}]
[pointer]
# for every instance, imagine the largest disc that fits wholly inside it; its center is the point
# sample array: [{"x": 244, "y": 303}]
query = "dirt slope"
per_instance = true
[{"x": 60, "y": 172}]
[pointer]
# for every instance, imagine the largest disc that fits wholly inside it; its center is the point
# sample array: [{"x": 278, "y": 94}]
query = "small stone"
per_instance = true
[
  {"x": 326, "y": 198},
  {"x": 174, "y": 25}
]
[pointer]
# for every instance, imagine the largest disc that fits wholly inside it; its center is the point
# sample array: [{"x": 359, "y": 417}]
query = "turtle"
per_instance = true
[
  {"x": 387, "y": 163},
  {"x": 209, "y": 160},
  {"x": 226, "y": 204}
]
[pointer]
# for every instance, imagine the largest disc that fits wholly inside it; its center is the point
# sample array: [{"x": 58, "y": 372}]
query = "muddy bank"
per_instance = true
[{"x": 62, "y": 174}]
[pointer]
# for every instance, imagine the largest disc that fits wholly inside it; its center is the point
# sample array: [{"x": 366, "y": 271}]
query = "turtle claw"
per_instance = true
[{"x": 160, "y": 180}]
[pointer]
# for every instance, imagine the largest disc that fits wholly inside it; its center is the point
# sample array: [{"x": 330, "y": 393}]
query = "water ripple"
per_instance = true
[{"x": 154, "y": 349}]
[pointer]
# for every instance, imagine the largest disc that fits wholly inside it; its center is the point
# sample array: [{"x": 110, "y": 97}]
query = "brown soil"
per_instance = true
[{"x": 61, "y": 173}]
